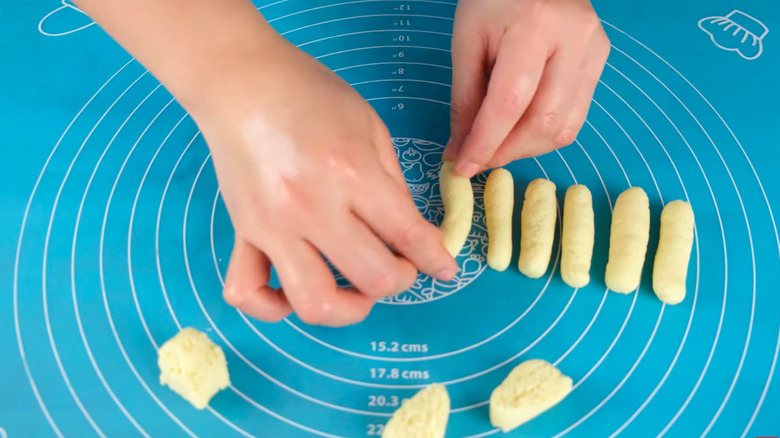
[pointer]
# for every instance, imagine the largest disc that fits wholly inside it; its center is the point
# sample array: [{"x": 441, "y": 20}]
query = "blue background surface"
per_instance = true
[{"x": 113, "y": 238}]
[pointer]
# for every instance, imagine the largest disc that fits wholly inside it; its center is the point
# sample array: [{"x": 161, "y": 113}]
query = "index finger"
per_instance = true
[
  {"x": 394, "y": 217},
  {"x": 513, "y": 83}
]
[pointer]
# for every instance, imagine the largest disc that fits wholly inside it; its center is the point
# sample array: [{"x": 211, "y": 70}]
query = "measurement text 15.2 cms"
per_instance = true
[{"x": 397, "y": 347}]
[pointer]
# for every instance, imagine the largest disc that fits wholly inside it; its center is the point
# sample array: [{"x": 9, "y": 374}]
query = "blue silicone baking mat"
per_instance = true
[{"x": 114, "y": 237}]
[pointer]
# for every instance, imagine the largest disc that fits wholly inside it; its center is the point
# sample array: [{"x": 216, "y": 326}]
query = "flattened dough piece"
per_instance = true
[
  {"x": 457, "y": 196},
  {"x": 193, "y": 367},
  {"x": 531, "y": 388},
  {"x": 628, "y": 241},
  {"x": 423, "y": 416},
  {"x": 578, "y": 235},
  {"x": 674, "y": 252},
  {"x": 499, "y": 206},
  {"x": 537, "y": 227}
]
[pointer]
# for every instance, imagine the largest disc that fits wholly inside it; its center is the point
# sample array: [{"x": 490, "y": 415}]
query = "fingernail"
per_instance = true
[
  {"x": 467, "y": 169},
  {"x": 446, "y": 275}
]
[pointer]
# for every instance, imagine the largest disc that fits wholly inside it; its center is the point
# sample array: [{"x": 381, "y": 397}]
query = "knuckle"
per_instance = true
[
  {"x": 513, "y": 100},
  {"x": 309, "y": 317},
  {"x": 315, "y": 312},
  {"x": 233, "y": 297},
  {"x": 606, "y": 48},
  {"x": 410, "y": 235},
  {"x": 591, "y": 22},
  {"x": 550, "y": 123},
  {"x": 382, "y": 284},
  {"x": 566, "y": 137},
  {"x": 275, "y": 317}
]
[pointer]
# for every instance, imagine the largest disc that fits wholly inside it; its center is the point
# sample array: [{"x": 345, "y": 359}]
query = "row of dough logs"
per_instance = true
[
  {"x": 629, "y": 234},
  {"x": 196, "y": 369}
]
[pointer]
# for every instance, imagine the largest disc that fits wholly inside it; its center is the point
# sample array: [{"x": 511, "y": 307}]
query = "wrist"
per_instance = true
[{"x": 212, "y": 75}]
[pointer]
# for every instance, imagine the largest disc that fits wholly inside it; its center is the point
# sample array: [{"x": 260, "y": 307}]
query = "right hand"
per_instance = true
[
  {"x": 307, "y": 168},
  {"x": 523, "y": 76}
]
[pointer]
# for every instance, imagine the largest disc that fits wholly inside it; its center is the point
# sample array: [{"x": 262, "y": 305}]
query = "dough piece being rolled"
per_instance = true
[
  {"x": 457, "y": 197},
  {"x": 423, "y": 416},
  {"x": 531, "y": 388},
  {"x": 628, "y": 241},
  {"x": 578, "y": 235},
  {"x": 499, "y": 205},
  {"x": 674, "y": 252},
  {"x": 193, "y": 367},
  {"x": 537, "y": 227}
]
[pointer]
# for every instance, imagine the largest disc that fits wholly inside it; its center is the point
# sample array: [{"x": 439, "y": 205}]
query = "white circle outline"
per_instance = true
[
  {"x": 696, "y": 241},
  {"x": 52, "y": 343},
  {"x": 17, "y": 326},
  {"x": 130, "y": 266},
  {"x": 747, "y": 222},
  {"x": 775, "y": 227},
  {"x": 119, "y": 343}
]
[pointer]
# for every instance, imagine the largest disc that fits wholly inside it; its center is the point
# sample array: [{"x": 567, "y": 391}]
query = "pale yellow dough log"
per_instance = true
[
  {"x": 499, "y": 205},
  {"x": 628, "y": 241},
  {"x": 537, "y": 227},
  {"x": 423, "y": 416},
  {"x": 193, "y": 367},
  {"x": 457, "y": 196},
  {"x": 531, "y": 388},
  {"x": 578, "y": 235},
  {"x": 674, "y": 252}
]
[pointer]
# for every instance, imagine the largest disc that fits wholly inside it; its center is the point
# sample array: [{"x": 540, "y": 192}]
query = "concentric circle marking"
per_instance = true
[
  {"x": 661, "y": 128},
  {"x": 64, "y": 374}
]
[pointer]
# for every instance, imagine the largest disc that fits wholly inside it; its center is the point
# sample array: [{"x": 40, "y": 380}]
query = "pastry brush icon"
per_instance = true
[{"x": 736, "y": 32}]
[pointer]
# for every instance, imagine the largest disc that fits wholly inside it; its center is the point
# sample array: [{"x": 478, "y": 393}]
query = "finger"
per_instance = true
[
  {"x": 246, "y": 284},
  {"x": 311, "y": 289},
  {"x": 513, "y": 83},
  {"x": 469, "y": 85},
  {"x": 363, "y": 259},
  {"x": 581, "y": 105},
  {"x": 396, "y": 220},
  {"x": 592, "y": 70},
  {"x": 546, "y": 123},
  {"x": 388, "y": 158}
]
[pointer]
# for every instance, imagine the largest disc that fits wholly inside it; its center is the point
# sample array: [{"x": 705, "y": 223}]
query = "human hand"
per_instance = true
[
  {"x": 524, "y": 73},
  {"x": 307, "y": 168}
]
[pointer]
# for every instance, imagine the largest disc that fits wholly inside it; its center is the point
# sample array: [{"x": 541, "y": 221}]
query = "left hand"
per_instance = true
[{"x": 524, "y": 73}]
